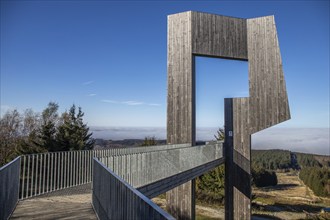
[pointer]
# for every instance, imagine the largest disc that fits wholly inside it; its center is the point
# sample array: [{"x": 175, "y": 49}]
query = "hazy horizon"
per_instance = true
[{"x": 305, "y": 140}]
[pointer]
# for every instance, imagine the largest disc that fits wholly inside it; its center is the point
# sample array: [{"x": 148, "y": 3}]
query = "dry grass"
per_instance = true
[
  {"x": 203, "y": 212},
  {"x": 290, "y": 199}
]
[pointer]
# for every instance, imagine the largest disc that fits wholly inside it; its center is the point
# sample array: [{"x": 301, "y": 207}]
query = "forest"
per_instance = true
[
  {"x": 210, "y": 187},
  {"x": 48, "y": 131},
  {"x": 271, "y": 159},
  {"x": 307, "y": 160},
  {"x": 315, "y": 173},
  {"x": 317, "y": 179},
  {"x": 314, "y": 170}
]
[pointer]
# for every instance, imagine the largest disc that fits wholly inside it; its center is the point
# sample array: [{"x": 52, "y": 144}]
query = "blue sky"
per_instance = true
[{"x": 109, "y": 57}]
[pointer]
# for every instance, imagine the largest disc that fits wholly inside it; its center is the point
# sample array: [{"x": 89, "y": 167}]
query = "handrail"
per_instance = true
[
  {"x": 136, "y": 168},
  {"x": 47, "y": 172},
  {"x": 9, "y": 187},
  {"x": 113, "y": 198}
]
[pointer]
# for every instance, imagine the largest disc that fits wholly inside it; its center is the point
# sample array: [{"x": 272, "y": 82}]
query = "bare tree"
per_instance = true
[{"x": 10, "y": 133}]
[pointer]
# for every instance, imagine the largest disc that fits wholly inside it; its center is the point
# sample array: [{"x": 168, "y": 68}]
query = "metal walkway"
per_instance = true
[
  {"x": 57, "y": 185},
  {"x": 71, "y": 203}
]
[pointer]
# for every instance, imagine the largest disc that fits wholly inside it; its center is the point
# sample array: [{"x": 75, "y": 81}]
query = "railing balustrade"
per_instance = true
[
  {"x": 113, "y": 198},
  {"x": 9, "y": 187},
  {"x": 47, "y": 172},
  {"x": 139, "y": 169}
]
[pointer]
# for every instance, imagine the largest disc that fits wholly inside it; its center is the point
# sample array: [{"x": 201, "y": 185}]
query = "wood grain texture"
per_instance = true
[
  {"x": 180, "y": 106},
  {"x": 180, "y": 80},
  {"x": 268, "y": 101},
  {"x": 193, "y": 34},
  {"x": 241, "y": 170},
  {"x": 219, "y": 36}
]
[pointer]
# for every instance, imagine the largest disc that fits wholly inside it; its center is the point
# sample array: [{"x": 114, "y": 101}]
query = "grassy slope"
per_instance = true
[{"x": 290, "y": 199}]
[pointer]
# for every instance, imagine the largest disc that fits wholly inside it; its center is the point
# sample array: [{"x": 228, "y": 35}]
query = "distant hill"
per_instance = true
[{"x": 106, "y": 144}]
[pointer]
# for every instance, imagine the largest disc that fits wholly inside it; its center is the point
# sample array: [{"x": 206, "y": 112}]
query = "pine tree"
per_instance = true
[
  {"x": 220, "y": 136},
  {"x": 211, "y": 185},
  {"x": 149, "y": 141},
  {"x": 72, "y": 133}
]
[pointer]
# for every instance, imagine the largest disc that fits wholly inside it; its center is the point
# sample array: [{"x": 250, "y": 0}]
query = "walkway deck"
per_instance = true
[{"x": 72, "y": 203}]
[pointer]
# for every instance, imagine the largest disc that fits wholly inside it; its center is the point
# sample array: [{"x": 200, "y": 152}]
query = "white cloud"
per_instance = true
[
  {"x": 87, "y": 83},
  {"x": 109, "y": 101},
  {"x": 92, "y": 94},
  {"x": 132, "y": 103}
]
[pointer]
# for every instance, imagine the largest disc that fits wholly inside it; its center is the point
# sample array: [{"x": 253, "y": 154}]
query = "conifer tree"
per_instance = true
[
  {"x": 211, "y": 185},
  {"x": 72, "y": 133},
  {"x": 149, "y": 141},
  {"x": 220, "y": 136}
]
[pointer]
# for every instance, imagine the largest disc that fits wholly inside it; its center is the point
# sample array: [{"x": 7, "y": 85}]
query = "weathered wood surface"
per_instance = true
[
  {"x": 268, "y": 102},
  {"x": 240, "y": 170},
  {"x": 74, "y": 203},
  {"x": 199, "y": 34},
  {"x": 180, "y": 109},
  {"x": 191, "y": 34},
  {"x": 266, "y": 106},
  {"x": 218, "y": 36}
]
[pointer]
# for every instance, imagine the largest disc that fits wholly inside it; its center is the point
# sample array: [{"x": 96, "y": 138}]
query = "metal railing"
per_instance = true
[
  {"x": 36, "y": 174},
  {"x": 48, "y": 172},
  {"x": 143, "y": 168},
  {"x": 9, "y": 187},
  {"x": 113, "y": 198}
]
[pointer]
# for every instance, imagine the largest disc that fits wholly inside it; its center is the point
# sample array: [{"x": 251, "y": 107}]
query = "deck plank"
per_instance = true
[{"x": 68, "y": 204}]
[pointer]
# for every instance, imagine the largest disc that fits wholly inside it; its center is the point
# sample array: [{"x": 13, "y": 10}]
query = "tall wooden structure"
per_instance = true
[{"x": 254, "y": 40}]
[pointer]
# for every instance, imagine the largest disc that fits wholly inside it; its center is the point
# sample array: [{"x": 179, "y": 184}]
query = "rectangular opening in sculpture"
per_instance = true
[{"x": 216, "y": 79}]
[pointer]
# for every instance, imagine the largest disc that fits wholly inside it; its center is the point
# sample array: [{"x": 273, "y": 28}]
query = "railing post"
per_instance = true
[{"x": 23, "y": 176}]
